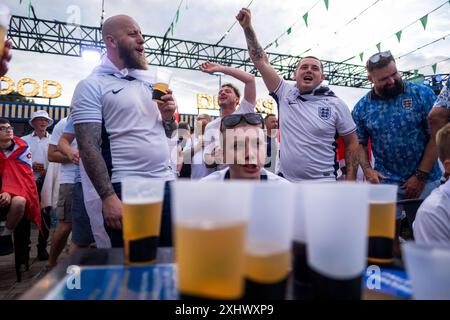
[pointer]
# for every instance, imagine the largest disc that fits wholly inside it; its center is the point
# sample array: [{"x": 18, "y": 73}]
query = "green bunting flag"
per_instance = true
[
  {"x": 434, "y": 66},
  {"x": 416, "y": 71},
  {"x": 171, "y": 28},
  {"x": 361, "y": 56},
  {"x": 399, "y": 35},
  {"x": 276, "y": 43},
  {"x": 178, "y": 16},
  {"x": 326, "y": 4},
  {"x": 289, "y": 30},
  {"x": 379, "y": 46},
  {"x": 305, "y": 17},
  {"x": 424, "y": 21}
]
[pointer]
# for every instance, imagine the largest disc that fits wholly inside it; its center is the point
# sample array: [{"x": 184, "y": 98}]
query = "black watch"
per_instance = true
[{"x": 421, "y": 175}]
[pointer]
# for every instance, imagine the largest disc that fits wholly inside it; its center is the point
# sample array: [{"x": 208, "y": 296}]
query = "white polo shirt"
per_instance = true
[
  {"x": 39, "y": 150},
  {"x": 134, "y": 141},
  {"x": 68, "y": 171},
  {"x": 309, "y": 124}
]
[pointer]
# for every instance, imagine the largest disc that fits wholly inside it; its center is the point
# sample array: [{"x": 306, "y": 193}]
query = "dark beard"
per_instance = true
[
  {"x": 391, "y": 92},
  {"x": 131, "y": 62}
]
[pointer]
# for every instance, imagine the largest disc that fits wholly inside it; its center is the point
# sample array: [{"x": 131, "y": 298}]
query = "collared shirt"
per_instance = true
[
  {"x": 398, "y": 129},
  {"x": 134, "y": 142},
  {"x": 443, "y": 100},
  {"x": 309, "y": 125},
  {"x": 39, "y": 149}
]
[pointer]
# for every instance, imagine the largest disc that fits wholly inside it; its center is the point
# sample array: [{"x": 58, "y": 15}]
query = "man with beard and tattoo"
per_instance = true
[
  {"x": 120, "y": 130},
  {"x": 310, "y": 116},
  {"x": 394, "y": 116}
]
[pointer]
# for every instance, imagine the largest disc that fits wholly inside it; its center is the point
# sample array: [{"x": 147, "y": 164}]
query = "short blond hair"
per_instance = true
[{"x": 443, "y": 142}]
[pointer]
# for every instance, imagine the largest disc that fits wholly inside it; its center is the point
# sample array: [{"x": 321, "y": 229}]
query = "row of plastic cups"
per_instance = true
[{"x": 228, "y": 232}]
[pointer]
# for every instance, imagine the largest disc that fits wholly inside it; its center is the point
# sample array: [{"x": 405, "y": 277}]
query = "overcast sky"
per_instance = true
[{"x": 207, "y": 21}]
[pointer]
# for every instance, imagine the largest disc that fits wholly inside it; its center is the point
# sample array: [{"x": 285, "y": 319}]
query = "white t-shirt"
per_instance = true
[
  {"x": 308, "y": 127},
  {"x": 39, "y": 150},
  {"x": 134, "y": 138},
  {"x": 220, "y": 175},
  {"x": 432, "y": 223},
  {"x": 68, "y": 171},
  {"x": 212, "y": 131}
]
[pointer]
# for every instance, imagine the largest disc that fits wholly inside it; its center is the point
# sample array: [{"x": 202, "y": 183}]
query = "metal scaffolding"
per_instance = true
[{"x": 56, "y": 37}]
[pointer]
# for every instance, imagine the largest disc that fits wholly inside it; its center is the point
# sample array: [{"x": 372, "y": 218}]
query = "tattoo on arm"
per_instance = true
[
  {"x": 254, "y": 48},
  {"x": 88, "y": 136},
  {"x": 351, "y": 161}
]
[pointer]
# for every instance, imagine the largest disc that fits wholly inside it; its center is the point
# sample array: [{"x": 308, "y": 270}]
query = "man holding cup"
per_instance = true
[{"x": 120, "y": 131}]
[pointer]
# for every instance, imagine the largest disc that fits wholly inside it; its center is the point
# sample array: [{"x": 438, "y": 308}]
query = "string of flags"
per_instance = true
[
  {"x": 174, "y": 22},
  {"x": 289, "y": 30},
  {"x": 30, "y": 7},
  {"x": 229, "y": 29},
  {"x": 423, "y": 21},
  {"x": 342, "y": 27}
]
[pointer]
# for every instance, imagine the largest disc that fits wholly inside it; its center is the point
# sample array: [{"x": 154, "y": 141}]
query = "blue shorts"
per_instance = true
[{"x": 81, "y": 226}]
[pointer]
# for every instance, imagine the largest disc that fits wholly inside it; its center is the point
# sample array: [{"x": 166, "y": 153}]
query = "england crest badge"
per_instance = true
[
  {"x": 324, "y": 112},
  {"x": 407, "y": 103}
]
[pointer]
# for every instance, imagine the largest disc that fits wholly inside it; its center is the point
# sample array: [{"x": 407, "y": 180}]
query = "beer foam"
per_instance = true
[
  {"x": 209, "y": 225},
  {"x": 142, "y": 201},
  {"x": 262, "y": 248}
]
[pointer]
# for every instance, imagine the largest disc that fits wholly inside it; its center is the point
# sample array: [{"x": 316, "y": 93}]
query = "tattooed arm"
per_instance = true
[
  {"x": 351, "y": 155},
  {"x": 88, "y": 136},
  {"x": 257, "y": 54}
]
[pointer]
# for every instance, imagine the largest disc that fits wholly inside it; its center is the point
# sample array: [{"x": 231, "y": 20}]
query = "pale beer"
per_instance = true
[
  {"x": 210, "y": 260},
  {"x": 141, "y": 228},
  {"x": 381, "y": 232},
  {"x": 266, "y": 275}
]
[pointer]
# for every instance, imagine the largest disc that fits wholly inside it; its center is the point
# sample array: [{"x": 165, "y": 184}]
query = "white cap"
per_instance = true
[{"x": 40, "y": 114}]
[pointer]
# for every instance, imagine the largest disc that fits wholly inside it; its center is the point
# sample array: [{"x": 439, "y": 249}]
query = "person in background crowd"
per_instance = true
[
  {"x": 273, "y": 145},
  {"x": 195, "y": 147},
  {"x": 68, "y": 172},
  {"x": 38, "y": 141},
  {"x": 18, "y": 191}
]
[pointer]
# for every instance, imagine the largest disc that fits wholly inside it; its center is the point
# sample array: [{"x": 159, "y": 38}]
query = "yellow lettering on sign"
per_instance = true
[
  {"x": 10, "y": 83},
  {"x": 50, "y": 83},
  {"x": 21, "y": 87},
  {"x": 28, "y": 87}
]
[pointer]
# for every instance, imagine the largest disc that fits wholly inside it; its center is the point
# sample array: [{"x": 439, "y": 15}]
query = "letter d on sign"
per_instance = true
[{"x": 74, "y": 279}]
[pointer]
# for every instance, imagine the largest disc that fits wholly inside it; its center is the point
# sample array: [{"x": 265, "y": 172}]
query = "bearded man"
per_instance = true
[
  {"x": 120, "y": 131},
  {"x": 394, "y": 116}
]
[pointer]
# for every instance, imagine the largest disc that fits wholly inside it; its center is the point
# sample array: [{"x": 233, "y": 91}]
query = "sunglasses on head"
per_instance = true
[
  {"x": 378, "y": 56},
  {"x": 233, "y": 120}
]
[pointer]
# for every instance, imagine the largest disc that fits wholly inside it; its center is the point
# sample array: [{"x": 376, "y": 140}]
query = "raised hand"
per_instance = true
[{"x": 211, "y": 67}]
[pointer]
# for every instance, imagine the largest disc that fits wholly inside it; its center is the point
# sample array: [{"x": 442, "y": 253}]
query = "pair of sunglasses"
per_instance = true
[
  {"x": 378, "y": 56},
  {"x": 233, "y": 120}
]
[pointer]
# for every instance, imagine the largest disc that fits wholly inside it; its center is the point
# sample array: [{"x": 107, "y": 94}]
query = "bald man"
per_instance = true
[{"x": 120, "y": 131}]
